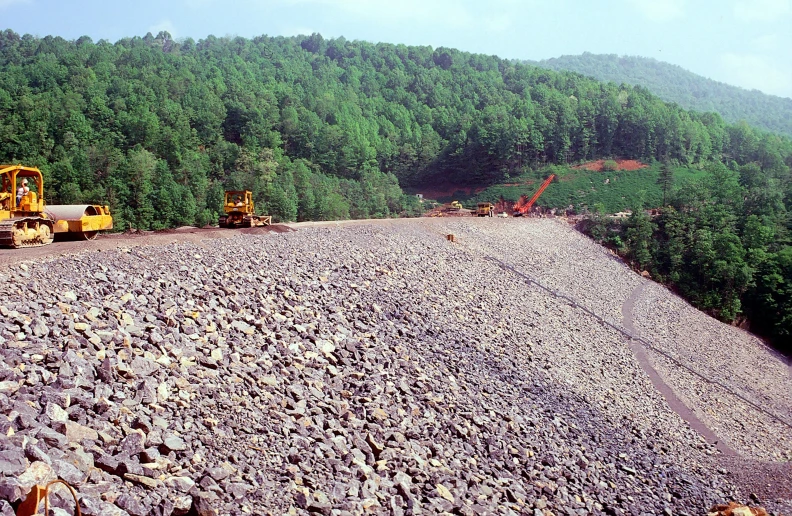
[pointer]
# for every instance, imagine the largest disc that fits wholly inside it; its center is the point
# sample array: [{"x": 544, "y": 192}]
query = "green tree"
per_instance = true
[
  {"x": 666, "y": 180},
  {"x": 638, "y": 238},
  {"x": 132, "y": 185}
]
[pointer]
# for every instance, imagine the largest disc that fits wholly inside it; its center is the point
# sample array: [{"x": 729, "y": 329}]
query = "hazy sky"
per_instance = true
[{"x": 747, "y": 43}]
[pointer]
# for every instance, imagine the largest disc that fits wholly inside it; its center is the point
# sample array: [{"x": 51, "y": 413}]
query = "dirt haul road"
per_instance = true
[{"x": 111, "y": 241}]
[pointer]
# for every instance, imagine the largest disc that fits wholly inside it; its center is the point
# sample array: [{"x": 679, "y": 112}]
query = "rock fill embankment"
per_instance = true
[
  {"x": 577, "y": 267},
  {"x": 373, "y": 368}
]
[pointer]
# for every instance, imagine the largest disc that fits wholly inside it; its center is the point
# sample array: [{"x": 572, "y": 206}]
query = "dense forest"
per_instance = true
[
  {"x": 673, "y": 83},
  {"x": 319, "y": 129}
]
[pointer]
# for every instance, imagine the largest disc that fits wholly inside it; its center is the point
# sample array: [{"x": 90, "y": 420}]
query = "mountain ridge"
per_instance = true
[{"x": 674, "y": 83}]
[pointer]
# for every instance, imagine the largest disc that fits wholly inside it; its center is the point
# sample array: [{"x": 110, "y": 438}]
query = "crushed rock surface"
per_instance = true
[{"x": 365, "y": 368}]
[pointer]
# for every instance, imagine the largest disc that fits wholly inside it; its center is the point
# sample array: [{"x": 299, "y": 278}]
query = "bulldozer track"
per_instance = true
[
  {"x": 8, "y": 226},
  {"x": 639, "y": 340},
  {"x": 676, "y": 404}
]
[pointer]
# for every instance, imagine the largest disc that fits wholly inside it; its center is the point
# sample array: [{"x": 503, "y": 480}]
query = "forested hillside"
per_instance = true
[
  {"x": 673, "y": 83},
  {"x": 319, "y": 129}
]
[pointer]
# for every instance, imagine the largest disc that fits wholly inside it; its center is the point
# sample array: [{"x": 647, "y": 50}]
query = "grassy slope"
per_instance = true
[{"x": 584, "y": 188}]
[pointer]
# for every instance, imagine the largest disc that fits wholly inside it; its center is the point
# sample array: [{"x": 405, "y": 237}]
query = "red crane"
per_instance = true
[{"x": 524, "y": 205}]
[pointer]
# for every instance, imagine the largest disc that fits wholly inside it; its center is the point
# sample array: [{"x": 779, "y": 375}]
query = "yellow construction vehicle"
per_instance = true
[
  {"x": 456, "y": 205},
  {"x": 485, "y": 209},
  {"x": 240, "y": 211},
  {"x": 26, "y": 220}
]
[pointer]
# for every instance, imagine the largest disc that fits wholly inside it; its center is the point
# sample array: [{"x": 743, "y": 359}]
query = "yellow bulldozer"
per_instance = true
[
  {"x": 485, "y": 209},
  {"x": 27, "y": 221},
  {"x": 240, "y": 211}
]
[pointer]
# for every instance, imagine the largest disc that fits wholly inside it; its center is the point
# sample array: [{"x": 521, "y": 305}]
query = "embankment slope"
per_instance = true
[{"x": 371, "y": 367}]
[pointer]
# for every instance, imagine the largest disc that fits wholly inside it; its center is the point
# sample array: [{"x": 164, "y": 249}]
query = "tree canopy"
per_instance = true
[{"x": 317, "y": 128}]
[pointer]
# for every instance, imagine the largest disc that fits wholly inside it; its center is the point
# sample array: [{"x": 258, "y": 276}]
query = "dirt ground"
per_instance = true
[
  {"x": 623, "y": 164},
  {"x": 110, "y": 241}
]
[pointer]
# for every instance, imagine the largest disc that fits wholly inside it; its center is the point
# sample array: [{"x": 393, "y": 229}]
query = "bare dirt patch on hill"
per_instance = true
[{"x": 623, "y": 164}]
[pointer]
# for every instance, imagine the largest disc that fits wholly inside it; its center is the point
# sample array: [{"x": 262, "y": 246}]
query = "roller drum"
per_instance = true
[
  {"x": 69, "y": 211},
  {"x": 81, "y": 221}
]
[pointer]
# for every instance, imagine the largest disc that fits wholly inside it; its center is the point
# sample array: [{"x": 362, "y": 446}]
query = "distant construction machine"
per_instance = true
[
  {"x": 485, "y": 209},
  {"x": 26, "y": 220},
  {"x": 524, "y": 205},
  {"x": 240, "y": 211}
]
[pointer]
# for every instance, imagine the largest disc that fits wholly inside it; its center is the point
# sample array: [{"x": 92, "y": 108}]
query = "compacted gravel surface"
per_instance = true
[{"x": 375, "y": 368}]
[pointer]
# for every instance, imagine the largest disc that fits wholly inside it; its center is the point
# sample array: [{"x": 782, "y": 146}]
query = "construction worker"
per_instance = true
[{"x": 22, "y": 190}]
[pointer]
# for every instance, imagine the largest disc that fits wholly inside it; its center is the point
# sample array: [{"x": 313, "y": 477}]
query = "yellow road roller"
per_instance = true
[{"x": 26, "y": 220}]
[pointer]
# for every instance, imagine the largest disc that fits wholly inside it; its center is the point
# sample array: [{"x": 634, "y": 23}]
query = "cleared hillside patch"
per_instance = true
[{"x": 584, "y": 188}]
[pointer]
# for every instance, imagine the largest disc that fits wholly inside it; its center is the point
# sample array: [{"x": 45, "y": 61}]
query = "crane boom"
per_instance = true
[{"x": 522, "y": 207}]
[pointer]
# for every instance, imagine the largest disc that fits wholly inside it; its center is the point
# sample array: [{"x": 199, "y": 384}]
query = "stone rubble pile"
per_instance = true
[
  {"x": 732, "y": 357},
  {"x": 364, "y": 369},
  {"x": 559, "y": 258}
]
